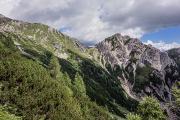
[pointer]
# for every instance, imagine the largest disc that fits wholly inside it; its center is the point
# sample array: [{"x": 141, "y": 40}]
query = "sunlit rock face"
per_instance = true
[{"x": 143, "y": 69}]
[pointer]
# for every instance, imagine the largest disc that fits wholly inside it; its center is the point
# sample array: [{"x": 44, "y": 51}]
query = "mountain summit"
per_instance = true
[
  {"x": 145, "y": 70},
  {"x": 48, "y": 75}
]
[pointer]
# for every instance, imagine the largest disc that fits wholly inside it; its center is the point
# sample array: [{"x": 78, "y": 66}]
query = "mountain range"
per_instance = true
[{"x": 45, "y": 74}]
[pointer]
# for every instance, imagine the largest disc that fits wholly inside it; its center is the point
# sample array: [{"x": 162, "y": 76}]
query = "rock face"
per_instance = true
[
  {"x": 175, "y": 55},
  {"x": 142, "y": 69}
]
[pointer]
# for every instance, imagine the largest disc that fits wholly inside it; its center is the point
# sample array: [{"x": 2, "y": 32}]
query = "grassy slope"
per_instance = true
[
  {"x": 38, "y": 40},
  {"x": 29, "y": 90}
]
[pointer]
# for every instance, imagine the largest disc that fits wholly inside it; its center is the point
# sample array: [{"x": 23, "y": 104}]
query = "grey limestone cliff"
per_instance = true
[{"x": 142, "y": 69}]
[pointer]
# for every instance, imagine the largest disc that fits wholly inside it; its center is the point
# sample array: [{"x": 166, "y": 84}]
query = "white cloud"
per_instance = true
[
  {"x": 7, "y": 6},
  {"x": 93, "y": 20},
  {"x": 162, "y": 45}
]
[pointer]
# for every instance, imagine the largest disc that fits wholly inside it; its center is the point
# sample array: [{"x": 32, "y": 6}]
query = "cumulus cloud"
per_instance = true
[
  {"x": 93, "y": 20},
  {"x": 162, "y": 45}
]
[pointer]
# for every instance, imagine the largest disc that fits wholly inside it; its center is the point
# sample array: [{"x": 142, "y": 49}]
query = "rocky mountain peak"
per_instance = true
[
  {"x": 118, "y": 49},
  {"x": 117, "y": 38},
  {"x": 143, "y": 68}
]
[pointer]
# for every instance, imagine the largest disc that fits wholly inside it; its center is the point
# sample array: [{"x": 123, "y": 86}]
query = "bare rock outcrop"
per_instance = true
[{"x": 148, "y": 70}]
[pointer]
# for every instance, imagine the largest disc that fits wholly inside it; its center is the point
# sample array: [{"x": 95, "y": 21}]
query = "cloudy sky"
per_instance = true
[{"x": 153, "y": 21}]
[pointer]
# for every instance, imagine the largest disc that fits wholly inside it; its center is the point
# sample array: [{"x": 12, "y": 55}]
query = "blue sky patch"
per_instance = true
[
  {"x": 65, "y": 29},
  {"x": 168, "y": 35}
]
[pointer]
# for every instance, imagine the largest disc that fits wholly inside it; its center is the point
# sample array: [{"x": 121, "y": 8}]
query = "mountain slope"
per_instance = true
[
  {"x": 142, "y": 69},
  {"x": 40, "y": 43},
  {"x": 77, "y": 82}
]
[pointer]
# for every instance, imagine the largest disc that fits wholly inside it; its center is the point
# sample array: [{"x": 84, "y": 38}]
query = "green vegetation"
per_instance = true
[
  {"x": 148, "y": 109},
  {"x": 29, "y": 87},
  {"x": 82, "y": 80},
  {"x": 4, "y": 115},
  {"x": 142, "y": 78},
  {"x": 97, "y": 84},
  {"x": 175, "y": 105},
  {"x": 100, "y": 85},
  {"x": 54, "y": 67},
  {"x": 176, "y": 93},
  {"x": 36, "y": 92},
  {"x": 131, "y": 116},
  {"x": 79, "y": 85},
  {"x": 40, "y": 43},
  {"x": 35, "y": 84}
]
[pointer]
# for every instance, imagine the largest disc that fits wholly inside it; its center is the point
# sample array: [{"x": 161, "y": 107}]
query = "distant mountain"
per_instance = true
[{"x": 72, "y": 81}]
